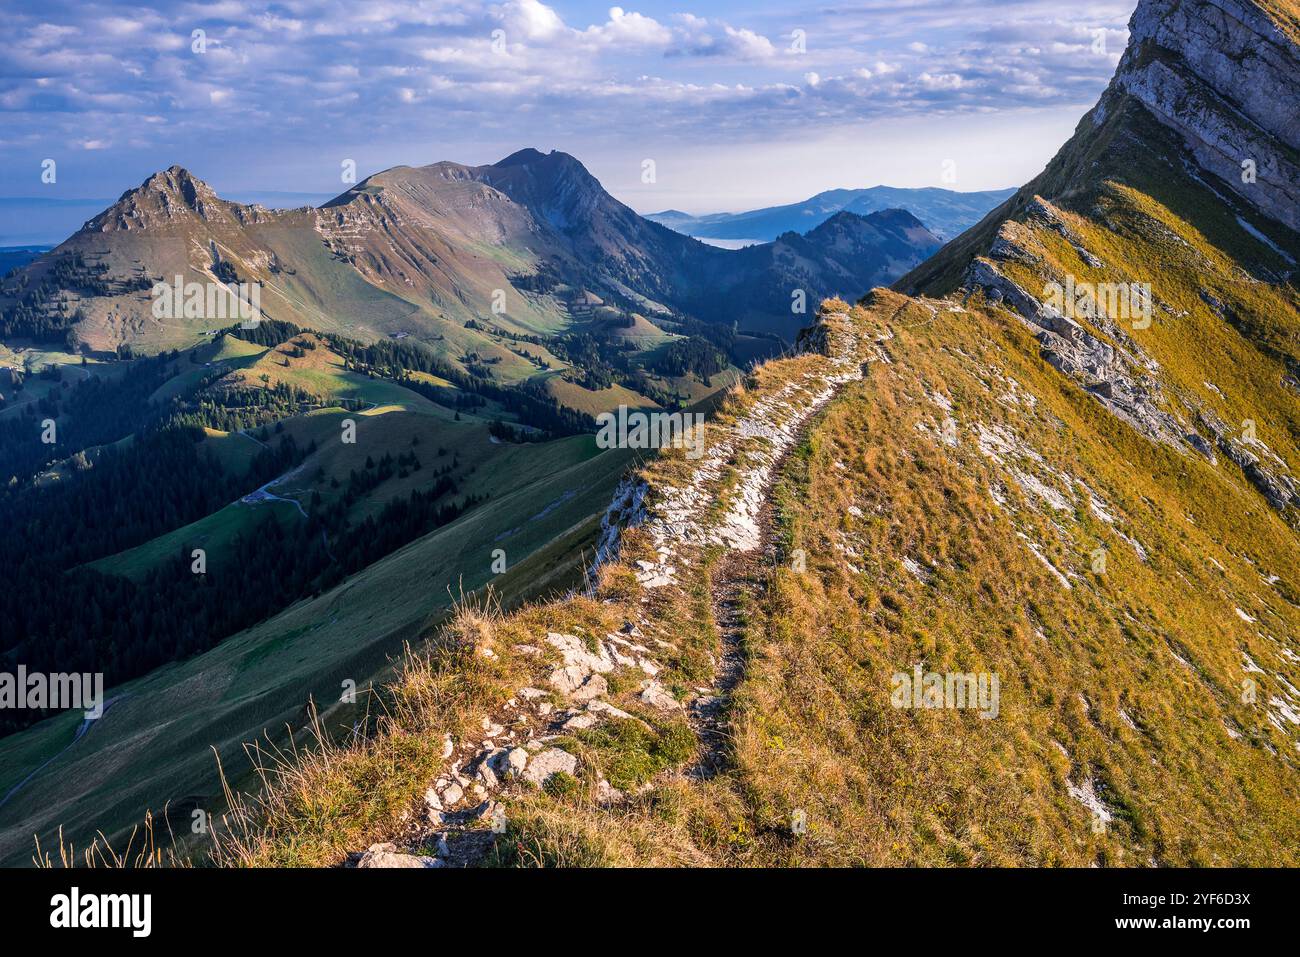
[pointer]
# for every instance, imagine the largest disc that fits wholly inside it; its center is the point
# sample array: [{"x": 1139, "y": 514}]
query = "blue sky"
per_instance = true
[{"x": 736, "y": 109}]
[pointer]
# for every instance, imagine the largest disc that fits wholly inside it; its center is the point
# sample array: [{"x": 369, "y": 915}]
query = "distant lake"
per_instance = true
[{"x": 731, "y": 243}]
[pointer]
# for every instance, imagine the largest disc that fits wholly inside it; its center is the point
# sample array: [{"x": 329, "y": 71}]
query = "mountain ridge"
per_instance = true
[
  {"x": 411, "y": 249},
  {"x": 945, "y": 212},
  {"x": 1082, "y": 502}
]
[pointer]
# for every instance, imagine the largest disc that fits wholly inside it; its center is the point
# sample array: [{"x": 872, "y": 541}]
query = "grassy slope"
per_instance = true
[
  {"x": 1160, "y": 640},
  {"x": 484, "y": 466},
  {"x": 881, "y": 785},
  {"x": 320, "y": 372},
  {"x": 1129, "y": 681},
  {"x": 34, "y": 387}
]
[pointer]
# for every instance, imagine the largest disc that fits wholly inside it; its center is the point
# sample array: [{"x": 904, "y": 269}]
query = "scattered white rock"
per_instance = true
[
  {"x": 1086, "y": 794},
  {"x": 917, "y": 570},
  {"x": 606, "y": 793},
  {"x": 575, "y": 652},
  {"x": 549, "y": 762},
  {"x": 511, "y": 764},
  {"x": 607, "y": 709},
  {"x": 387, "y": 855},
  {"x": 593, "y": 687},
  {"x": 581, "y": 722},
  {"x": 657, "y": 696},
  {"x": 1281, "y": 710}
]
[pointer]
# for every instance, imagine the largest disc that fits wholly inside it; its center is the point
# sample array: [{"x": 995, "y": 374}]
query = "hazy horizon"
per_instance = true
[{"x": 56, "y": 218}]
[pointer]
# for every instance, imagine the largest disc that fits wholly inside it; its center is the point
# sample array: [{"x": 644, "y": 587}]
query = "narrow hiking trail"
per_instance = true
[
  {"x": 712, "y": 517},
  {"x": 738, "y": 585}
]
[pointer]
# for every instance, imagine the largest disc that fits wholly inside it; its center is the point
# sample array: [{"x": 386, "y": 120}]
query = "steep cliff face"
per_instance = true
[
  {"x": 1222, "y": 74},
  {"x": 1168, "y": 221},
  {"x": 1207, "y": 89}
]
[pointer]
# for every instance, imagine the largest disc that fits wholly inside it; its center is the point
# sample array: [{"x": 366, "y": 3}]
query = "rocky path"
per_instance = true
[
  {"x": 739, "y": 582},
  {"x": 724, "y": 501}
]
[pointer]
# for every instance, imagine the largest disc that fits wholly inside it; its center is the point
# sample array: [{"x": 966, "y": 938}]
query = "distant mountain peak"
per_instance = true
[
  {"x": 175, "y": 181},
  {"x": 843, "y": 216},
  {"x": 529, "y": 156},
  {"x": 555, "y": 186},
  {"x": 896, "y": 217},
  {"x": 165, "y": 197},
  {"x": 521, "y": 158},
  {"x": 888, "y": 225},
  {"x": 944, "y": 212}
]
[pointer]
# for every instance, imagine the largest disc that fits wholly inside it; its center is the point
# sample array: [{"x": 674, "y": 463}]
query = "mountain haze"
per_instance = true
[{"x": 945, "y": 212}]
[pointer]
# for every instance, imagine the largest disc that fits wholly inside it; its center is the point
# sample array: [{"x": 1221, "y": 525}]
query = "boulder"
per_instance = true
[
  {"x": 549, "y": 762},
  {"x": 657, "y": 696},
  {"x": 576, "y": 653},
  {"x": 580, "y": 722},
  {"x": 511, "y": 764},
  {"x": 594, "y": 687},
  {"x": 387, "y": 855}
]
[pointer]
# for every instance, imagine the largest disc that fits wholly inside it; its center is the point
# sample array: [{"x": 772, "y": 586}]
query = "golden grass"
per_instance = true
[
  {"x": 878, "y": 785},
  {"x": 141, "y": 850},
  {"x": 321, "y": 799}
]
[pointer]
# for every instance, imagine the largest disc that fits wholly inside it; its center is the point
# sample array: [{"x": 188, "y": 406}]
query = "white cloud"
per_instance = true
[
  {"x": 630, "y": 30},
  {"x": 427, "y": 71},
  {"x": 941, "y": 81},
  {"x": 747, "y": 44},
  {"x": 533, "y": 19}
]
